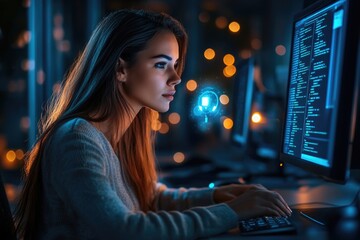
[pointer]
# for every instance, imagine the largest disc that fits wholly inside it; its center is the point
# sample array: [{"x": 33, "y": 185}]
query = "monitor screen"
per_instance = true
[
  {"x": 319, "y": 112},
  {"x": 242, "y": 101}
]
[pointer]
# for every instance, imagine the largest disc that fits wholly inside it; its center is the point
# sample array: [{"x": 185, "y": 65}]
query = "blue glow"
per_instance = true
[
  {"x": 338, "y": 19},
  {"x": 317, "y": 160},
  {"x": 211, "y": 185},
  {"x": 206, "y": 107},
  {"x": 208, "y": 101},
  {"x": 205, "y": 101},
  {"x": 348, "y": 227},
  {"x": 350, "y": 212}
]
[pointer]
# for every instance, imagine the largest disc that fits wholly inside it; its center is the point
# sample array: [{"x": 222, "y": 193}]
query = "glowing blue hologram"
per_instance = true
[
  {"x": 207, "y": 103},
  {"x": 206, "y": 107}
]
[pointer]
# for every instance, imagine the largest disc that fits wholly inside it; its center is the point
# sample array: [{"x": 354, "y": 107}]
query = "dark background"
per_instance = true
[{"x": 59, "y": 30}]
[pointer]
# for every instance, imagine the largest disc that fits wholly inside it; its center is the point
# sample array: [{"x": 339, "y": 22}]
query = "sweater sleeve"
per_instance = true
[
  {"x": 81, "y": 182},
  {"x": 182, "y": 198}
]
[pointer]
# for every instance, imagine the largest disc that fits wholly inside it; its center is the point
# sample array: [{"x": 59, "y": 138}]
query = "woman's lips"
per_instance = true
[{"x": 169, "y": 95}]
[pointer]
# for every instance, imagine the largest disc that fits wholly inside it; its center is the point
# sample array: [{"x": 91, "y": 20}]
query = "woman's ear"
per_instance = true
[{"x": 121, "y": 70}]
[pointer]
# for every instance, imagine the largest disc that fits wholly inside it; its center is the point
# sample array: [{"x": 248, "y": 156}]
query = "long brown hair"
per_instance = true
[{"x": 89, "y": 88}]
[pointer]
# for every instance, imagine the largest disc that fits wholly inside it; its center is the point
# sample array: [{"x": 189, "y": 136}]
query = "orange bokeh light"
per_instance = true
[
  {"x": 229, "y": 59},
  {"x": 191, "y": 85},
  {"x": 228, "y": 123},
  {"x": 209, "y": 54},
  {"x": 234, "y": 27},
  {"x": 174, "y": 118},
  {"x": 224, "y": 99},
  {"x": 179, "y": 157}
]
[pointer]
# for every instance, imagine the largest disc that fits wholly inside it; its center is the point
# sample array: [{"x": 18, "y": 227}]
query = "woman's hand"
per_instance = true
[
  {"x": 252, "y": 200},
  {"x": 259, "y": 202},
  {"x": 229, "y": 192}
]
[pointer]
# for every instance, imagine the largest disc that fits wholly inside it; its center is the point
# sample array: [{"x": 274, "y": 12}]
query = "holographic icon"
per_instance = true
[{"x": 208, "y": 103}]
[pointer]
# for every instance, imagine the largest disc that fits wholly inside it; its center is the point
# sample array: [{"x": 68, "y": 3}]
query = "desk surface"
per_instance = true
[
  {"x": 314, "y": 192},
  {"x": 329, "y": 201},
  {"x": 298, "y": 191},
  {"x": 305, "y": 230}
]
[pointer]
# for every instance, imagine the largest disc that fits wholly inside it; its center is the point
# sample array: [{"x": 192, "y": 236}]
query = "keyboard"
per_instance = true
[{"x": 266, "y": 225}]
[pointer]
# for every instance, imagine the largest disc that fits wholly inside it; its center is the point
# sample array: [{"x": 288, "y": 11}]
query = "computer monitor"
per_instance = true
[
  {"x": 355, "y": 155},
  {"x": 320, "y": 111},
  {"x": 242, "y": 102}
]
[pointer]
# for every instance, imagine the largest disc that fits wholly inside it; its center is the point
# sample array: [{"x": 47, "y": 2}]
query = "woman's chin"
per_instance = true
[{"x": 161, "y": 109}]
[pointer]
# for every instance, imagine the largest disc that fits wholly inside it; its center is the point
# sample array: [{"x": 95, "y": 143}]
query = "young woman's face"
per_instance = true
[{"x": 151, "y": 81}]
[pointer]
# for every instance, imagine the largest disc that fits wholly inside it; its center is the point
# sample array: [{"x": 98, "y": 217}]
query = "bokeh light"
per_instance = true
[
  {"x": 191, "y": 85},
  {"x": 179, "y": 157},
  {"x": 56, "y": 88},
  {"x": 12, "y": 192},
  {"x": 221, "y": 22},
  {"x": 245, "y": 54},
  {"x": 234, "y": 27},
  {"x": 25, "y": 123},
  {"x": 40, "y": 77},
  {"x": 229, "y": 71},
  {"x": 156, "y": 125},
  {"x": 256, "y": 117},
  {"x": 228, "y": 123},
  {"x": 224, "y": 99},
  {"x": 19, "y": 154},
  {"x": 10, "y": 156},
  {"x": 204, "y": 17},
  {"x": 174, "y": 118},
  {"x": 209, "y": 54},
  {"x": 280, "y": 50},
  {"x": 256, "y": 43},
  {"x": 229, "y": 59},
  {"x": 164, "y": 128}
]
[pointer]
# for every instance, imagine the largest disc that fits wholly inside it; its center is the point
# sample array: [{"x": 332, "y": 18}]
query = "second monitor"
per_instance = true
[{"x": 243, "y": 97}]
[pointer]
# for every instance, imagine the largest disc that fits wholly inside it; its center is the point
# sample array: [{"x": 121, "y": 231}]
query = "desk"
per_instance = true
[{"x": 299, "y": 191}]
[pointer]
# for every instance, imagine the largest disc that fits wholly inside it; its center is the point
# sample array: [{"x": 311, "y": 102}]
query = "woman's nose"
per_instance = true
[{"x": 175, "y": 79}]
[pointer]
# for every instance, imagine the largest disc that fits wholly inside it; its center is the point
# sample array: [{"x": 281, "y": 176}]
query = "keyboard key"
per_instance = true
[{"x": 266, "y": 225}]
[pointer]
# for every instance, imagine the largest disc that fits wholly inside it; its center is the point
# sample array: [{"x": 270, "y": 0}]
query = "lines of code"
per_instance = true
[{"x": 312, "y": 87}]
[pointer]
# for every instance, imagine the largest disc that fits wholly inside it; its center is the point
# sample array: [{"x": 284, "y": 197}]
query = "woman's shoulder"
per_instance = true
[
  {"x": 77, "y": 126},
  {"x": 76, "y": 129},
  {"x": 77, "y": 134}
]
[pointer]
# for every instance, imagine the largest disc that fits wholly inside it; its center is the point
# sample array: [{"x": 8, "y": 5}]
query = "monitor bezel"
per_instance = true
[
  {"x": 339, "y": 170},
  {"x": 237, "y": 139}
]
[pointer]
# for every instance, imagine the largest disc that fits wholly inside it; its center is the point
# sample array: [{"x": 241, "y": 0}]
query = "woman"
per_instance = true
[{"x": 91, "y": 174}]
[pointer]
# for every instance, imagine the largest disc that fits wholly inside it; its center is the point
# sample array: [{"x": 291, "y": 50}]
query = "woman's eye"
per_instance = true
[{"x": 160, "y": 65}]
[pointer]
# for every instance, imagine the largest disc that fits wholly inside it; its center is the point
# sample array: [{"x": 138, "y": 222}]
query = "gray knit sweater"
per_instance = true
[{"x": 86, "y": 196}]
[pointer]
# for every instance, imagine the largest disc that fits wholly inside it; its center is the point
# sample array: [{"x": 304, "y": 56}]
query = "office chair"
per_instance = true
[{"x": 7, "y": 228}]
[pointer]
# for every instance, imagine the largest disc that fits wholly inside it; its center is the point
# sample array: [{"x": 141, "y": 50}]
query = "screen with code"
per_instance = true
[{"x": 313, "y": 87}]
